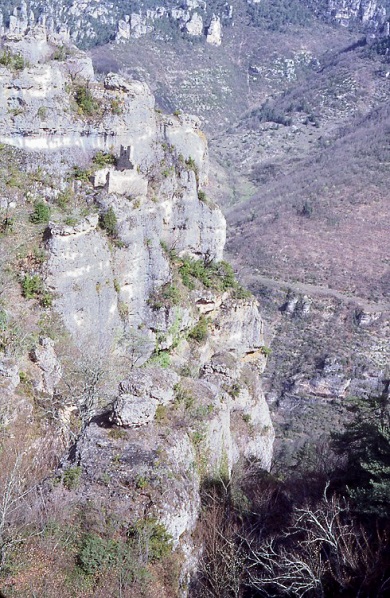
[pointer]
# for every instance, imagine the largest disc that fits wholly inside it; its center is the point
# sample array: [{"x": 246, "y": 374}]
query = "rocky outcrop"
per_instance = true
[
  {"x": 371, "y": 13},
  {"x": 45, "y": 357},
  {"x": 329, "y": 382},
  {"x": 195, "y": 25},
  {"x": 170, "y": 433},
  {"x": 9, "y": 375},
  {"x": 137, "y": 278},
  {"x": 138, "y": 472},
  {"x": 154, "y": 195},
  {"x": 141, "y": 394},
  {"x": 214, "y": 32},
  {"x": 45, "y": 115},
  {"x": 80, "y": 273},
  {"x": 89, "y": 23}
]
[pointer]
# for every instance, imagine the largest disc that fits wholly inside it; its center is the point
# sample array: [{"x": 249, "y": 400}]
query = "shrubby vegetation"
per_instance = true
[
  {"x": 268, "y": 113},
  {"x": 14, "y": 62},
  {"x": 277, "y": 14},
  {"x": 41, "y": 213},
  {"x": 218, "y": 276},
  {"x": 167, "y": 296},
  {"x": 86, "y": 103},
  {"x": 108, "y": 222},
  {"x": 33, "y": 288},
  {"x": 61, "y": 53},
  {"x": 318, "y": 532},
  {"x": 103, "y": 159},
  {"x": 199, "y": 332},
  {"x": 366, "y": 444},
  {"x": 89, "y": 559}
]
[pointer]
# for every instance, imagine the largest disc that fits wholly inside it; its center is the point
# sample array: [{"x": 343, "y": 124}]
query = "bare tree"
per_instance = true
[
  {"x": 24, "y": 463},
  {"x": 133, "y": 348},
  {"x": 222, "y": 560},
  {"x": 323, "y": 547}
]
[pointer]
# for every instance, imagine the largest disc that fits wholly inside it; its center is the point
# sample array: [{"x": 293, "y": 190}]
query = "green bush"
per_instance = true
[
  {"x": 82, "y": 174},
  {"x": 102, "y": 159},
  {"x": 240, "y": 292},
  {"x": 14, "y": 62},
  {"x": 85, "y": 101},
  {"x": 141, "y": 481},
  {"x": 46, "y": 299},
  {"x": 365, "y": 443},
  {"x": 191, "y": 165},
  {"x": 15, "y": 178},
  {"x": 108, "y": 221},
  {"x": 61, "y": 53},
  {"x": 161, "y": 358},
  {"x": 266, "y": 351},
  {"x": 71, "y": 221},
  {"x": 202, "y": 196},
  {"x": 42, "y": 112},
  {"x": 71, "y": 477},
  {"x": 116, "y": 107},
  {"x": 215, "y": 275},
  {"x": 151, "y": 538},
  {"x": 167, "y": 172},
  {"x": 183, "y": 396},
  {"x": 41, "y": 213},
  {"x": 197, "y": 437},
  {"x": 199, "y": 331},
  {"x": 32, "y": 286},
  {"x": 167, "y": 296},
  {"x": 190, "y": 162},
  {"x": 97, "y": 553},
  {"x": 191, "y": 270}
]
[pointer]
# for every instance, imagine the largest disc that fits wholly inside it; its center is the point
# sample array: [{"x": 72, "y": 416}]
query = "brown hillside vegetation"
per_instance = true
[{"x": 325, "y": 220}]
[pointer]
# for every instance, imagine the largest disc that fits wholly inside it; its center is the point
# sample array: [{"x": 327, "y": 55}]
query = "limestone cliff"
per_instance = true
[
  {"x": 371, "y": 13},
  {"x": 91, "y": 22},
  {"x": 168, "y": 348}
]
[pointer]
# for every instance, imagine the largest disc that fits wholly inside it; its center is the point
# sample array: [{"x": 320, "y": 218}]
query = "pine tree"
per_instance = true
[{"x": 366, "y": 444}]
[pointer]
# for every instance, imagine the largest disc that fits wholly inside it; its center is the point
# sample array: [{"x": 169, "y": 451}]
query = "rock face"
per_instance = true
[
  {"x": 175, "y": 431},
  {"x": 87, "y": 299},
  {"x": 140, "y": 395},
  {"x": 329, "y": 382},
  {"x": 88, "y": 22},
  {"x": 214, "y": 32},
  {"x": 56, "y": 128},
  {"x": 138, "y": 472},
  {"x": 137, "y": 278},
  {"x": 9, "y": 375},
  {"x": 78, "y": 22},
  {"x": 369, "y": 12},
  {"x": 195, "y": 25},
  {"x": 45, "y": 357}
]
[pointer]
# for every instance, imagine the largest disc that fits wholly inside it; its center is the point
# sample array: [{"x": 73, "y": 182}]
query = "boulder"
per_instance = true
[
  {"x": 141, "y": 393},
  {"x": 45, "y": 357}
]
